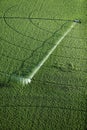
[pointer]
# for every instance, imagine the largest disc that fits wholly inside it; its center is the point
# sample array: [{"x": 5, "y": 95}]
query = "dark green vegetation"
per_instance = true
[{"x": 56, "y": 99}]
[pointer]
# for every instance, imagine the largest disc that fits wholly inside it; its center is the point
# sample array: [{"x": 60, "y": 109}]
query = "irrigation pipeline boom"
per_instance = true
[
  {"x": 35, "y": 70},
  {"x": 26, "y": 80}
]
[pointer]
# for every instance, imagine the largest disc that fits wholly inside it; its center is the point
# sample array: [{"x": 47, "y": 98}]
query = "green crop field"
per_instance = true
[{"x": 41, "y": 38}]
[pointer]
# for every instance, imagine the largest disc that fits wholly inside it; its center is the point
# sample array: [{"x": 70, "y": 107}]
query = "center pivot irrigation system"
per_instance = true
[{"x": 26, "y": 80}]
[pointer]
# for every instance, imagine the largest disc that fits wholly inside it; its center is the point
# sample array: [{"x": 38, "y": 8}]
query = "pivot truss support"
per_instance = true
[{"x": 77, "y": 21}]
